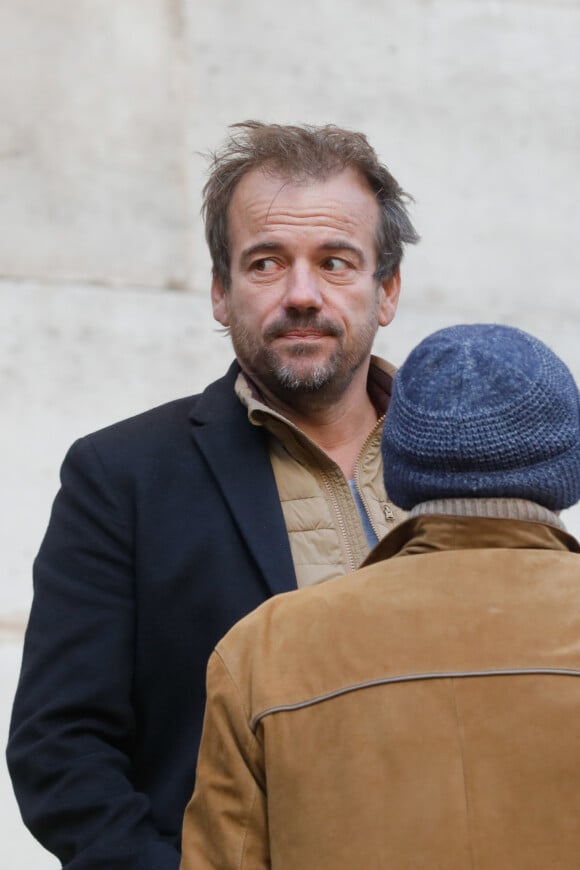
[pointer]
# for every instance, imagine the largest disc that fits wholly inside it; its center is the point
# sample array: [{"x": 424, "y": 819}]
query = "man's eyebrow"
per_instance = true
[
  {"x": 330, "y": 246},
  {"x": 342, "y": 245},
  {"x": 260, "y": 248}
]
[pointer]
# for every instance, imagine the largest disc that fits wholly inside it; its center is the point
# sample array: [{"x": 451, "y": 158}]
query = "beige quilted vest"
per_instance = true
[{"x": 324, "y": 527}]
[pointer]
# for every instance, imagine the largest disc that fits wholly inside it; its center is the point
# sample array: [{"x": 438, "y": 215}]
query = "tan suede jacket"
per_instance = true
[{"x": 420, "y": 714}]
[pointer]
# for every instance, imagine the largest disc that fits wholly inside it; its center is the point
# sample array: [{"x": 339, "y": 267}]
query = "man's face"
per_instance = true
[{"x": 303, "y": 306}]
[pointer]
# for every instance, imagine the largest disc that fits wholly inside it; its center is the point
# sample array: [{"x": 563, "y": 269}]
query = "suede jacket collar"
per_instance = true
[{"x": 430, "y": 532}]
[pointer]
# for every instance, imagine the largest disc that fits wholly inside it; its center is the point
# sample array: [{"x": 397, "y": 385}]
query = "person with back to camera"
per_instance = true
[
  {"x": 171, "y": 526},
  {"x": 424, "y": 711}
]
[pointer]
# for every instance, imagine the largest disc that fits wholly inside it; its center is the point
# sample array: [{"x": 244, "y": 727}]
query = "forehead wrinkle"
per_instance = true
[
  {"x": 272, "y": 214},
  {"x": 286, "y": 183},
  {"x": 270, "y": 218},
  {"x": 264, "y": 211},
  {"x": 331, "y": 234}
]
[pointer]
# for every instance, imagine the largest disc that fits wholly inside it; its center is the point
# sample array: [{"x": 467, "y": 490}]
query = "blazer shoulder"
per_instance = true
[
  {"x": 162, "y": 434},
  {"x": 167, "y": 419}
]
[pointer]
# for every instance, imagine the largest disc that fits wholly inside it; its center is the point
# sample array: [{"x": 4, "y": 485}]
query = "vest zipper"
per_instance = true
[
  {"x": 387, "y": 511},
  {"x": 347, "y": 547}
]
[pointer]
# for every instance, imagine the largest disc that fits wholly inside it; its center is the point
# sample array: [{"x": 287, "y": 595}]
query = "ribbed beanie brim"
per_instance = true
[{"x": 483, "y": 411}]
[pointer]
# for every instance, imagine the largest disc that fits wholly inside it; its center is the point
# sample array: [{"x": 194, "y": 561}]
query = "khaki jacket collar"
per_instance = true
[{"x": 430, "y": 533}]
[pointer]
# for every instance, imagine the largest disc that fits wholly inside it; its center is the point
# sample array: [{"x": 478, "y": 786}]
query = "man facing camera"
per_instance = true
[
  {"x": 172, "y": 525},
  {"x": 425, "y": 710}
]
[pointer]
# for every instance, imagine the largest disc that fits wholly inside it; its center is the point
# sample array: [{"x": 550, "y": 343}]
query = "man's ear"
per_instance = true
[
  {"x": 390, "y": 289},
  {"x": 219, "y": 301}
]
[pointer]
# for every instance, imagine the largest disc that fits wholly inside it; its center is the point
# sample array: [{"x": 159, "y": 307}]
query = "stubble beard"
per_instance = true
[
  {"x": 295, "y": 379},
  {"x": 325, "y": 380}
]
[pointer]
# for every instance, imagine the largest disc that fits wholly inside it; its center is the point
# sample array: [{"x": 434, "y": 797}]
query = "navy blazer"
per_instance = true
[{"x": 167, "y": 529}]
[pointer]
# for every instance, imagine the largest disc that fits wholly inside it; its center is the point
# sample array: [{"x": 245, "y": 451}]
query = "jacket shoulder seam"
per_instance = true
[{"x": 407, "y": 678}]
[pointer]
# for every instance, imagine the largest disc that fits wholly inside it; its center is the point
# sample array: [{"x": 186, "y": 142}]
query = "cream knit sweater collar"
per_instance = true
[{"x": 499, "y": 508}]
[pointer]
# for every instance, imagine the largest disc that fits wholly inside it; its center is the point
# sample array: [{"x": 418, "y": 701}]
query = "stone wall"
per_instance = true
[{"x": 105, "y": 111}]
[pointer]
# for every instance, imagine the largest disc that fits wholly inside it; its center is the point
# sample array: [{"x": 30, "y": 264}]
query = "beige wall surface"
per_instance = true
[
  {"x": 106, "y": 110},
  {"x": 93, "y": 162}
]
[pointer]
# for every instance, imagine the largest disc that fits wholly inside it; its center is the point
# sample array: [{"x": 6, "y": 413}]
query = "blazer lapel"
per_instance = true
[{"x": 237, "y": 454}]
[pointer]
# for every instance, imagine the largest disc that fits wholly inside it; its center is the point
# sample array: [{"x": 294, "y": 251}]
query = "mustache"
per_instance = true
[{"x": 307, "y": 322}]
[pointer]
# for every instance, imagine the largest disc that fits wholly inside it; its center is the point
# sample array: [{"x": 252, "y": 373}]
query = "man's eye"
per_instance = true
[
  {"x": 266, "y": 265},
  {"x": 335, "y": 264}
]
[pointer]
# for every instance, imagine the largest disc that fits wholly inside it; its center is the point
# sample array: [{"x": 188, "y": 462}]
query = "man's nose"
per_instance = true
[{"x": 302, "y": 290}]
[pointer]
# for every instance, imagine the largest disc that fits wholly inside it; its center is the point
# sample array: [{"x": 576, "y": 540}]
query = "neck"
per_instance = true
[
  {"x": 341, "y": 433},
  {"x": 339, "y": 426}
]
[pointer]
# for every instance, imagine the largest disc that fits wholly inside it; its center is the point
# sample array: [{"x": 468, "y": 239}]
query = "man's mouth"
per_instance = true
[
  {"x": 303, "y": 335},
  {"x": 302, "y": 332}
]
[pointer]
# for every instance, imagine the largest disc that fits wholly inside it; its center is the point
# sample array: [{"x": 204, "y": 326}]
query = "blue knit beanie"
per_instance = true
[{"x": 483, "y": 411}]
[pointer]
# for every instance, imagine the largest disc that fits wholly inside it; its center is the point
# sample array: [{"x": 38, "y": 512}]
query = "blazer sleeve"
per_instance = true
[
  {"x": 73, "y": 723},
  {"x": 225, "y": 823}
]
